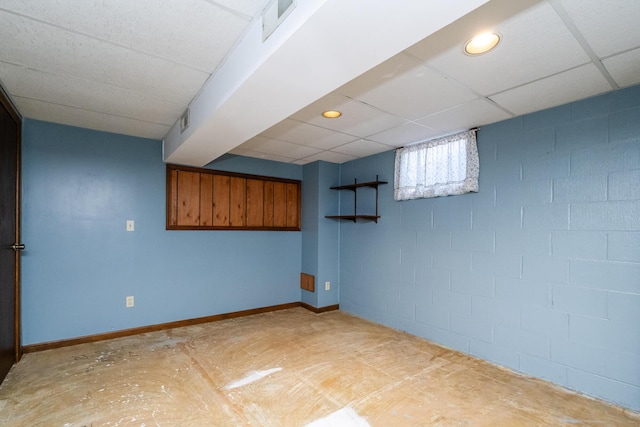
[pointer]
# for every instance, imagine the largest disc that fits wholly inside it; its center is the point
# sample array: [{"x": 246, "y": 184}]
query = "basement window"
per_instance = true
[{"x": 440, "y": 167}]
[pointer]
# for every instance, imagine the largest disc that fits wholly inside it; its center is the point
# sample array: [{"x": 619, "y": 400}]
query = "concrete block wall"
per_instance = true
[{"x": 539, "y": 271}]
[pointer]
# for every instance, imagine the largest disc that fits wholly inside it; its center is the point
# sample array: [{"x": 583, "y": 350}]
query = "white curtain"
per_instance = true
[{"x": 440, "y": 167}]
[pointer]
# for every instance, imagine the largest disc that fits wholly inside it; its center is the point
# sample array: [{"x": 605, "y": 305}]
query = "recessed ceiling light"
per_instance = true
[
  {"x": 331, "y": 114},
  {"x": 481, "y": 43}
]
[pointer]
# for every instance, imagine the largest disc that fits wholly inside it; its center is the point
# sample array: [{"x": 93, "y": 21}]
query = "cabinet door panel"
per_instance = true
[
  {"x": 255, "y": 203},
  {"x": 172, "y": 198},
  {"x": 292, "y": 205},
  {"x": 188, "y": 198},
  {"x": 221, "y": 200},
  {"x": 238, "y": 201},
  {"x": 268, "y": 204},
  {"x": 206, "y": 199},
  {"x": 279, "y": 204}
]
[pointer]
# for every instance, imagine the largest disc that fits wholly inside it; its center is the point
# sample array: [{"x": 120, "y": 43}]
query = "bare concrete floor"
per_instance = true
[{"x": 286, "y": 368}]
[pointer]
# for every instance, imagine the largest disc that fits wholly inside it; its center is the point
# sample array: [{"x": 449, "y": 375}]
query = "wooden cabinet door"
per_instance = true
[
  {"x": 172, "y": 198},
  {"x": 206, "y": 199},
  {"x": 293, "y": 206},
  {"x": 255, "y": 203},
  {"x": 237, "y": 201},
  {"x": 188, "y": 198},
  {"x": 268, "y": 204},
  {"x": 220, "y": 200},
  {"x": 279, "y": 204}
]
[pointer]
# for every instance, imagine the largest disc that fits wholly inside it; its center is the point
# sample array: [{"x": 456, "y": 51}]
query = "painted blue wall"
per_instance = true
[
  {"x": 79, "y": 189},
  {"x": 310, "y": 221},
  {"x": 321, "y": 237},
  {"x": 539, "y": 271}
]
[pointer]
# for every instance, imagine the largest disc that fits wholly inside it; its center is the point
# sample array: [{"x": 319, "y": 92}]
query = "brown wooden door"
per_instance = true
[{"x": 9, "y": 236}]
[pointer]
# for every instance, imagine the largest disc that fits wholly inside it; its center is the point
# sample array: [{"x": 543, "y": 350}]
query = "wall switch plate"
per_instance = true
[
  {"x": 129, "y": 301},
  {"x": 327, "y": 286},
  {"x": 131, "y": 225}
]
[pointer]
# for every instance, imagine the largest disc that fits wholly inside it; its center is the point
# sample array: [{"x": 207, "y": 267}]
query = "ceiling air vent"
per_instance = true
[
  {"x": 274, "y": 14},
  {"x": 184, "y": 121}
]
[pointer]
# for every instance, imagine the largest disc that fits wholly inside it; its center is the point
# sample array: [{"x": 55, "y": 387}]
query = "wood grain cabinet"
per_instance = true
[{"x": 205, "y": 199}]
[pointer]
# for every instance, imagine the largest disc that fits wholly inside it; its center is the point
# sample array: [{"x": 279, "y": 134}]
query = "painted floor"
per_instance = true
[{"x": 285, "y": 368}]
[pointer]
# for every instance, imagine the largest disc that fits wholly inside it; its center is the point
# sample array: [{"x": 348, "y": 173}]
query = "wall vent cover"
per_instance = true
[
  {"x": 274, "y": 14},
  {"x": 184, "y": 121}
]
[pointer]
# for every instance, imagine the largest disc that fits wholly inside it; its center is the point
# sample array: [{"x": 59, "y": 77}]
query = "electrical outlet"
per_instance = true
[
  {"x": 131, "y": 226},
  {"x": 129, "y": 301},
  {"x": 327, "y": 286}
]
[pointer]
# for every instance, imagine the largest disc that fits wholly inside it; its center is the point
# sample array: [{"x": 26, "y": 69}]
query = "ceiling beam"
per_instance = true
[{"x": 319, "y": 47}]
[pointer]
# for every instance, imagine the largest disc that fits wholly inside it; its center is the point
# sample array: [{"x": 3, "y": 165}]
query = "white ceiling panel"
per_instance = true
[
  {"x": 248, "y": 8},
  {"x": 185, "y": 26},
  {"x": 89, "y": 119},
  {"x": 361, "y": 148},
  {"x": 405, "y": 134},
  {"x": 272, "y": 146},
  {"x": 624, "y": 67},
  {"x": 608, "y": 26},
  {"x": 523, "y": 54},
  {"x": 265, "y": 156},
  {"x": 405, "y": 87},
  {"x": 578, "y": 83},
  {"x": 326, "y": 156},
  {"x": 305, "y": 134},
  {"x": 465, "y": 116},
  {"x": 57, "y": 51},
  {"x": 87, "y": 95},
  {"x": 357, "y": 118}
]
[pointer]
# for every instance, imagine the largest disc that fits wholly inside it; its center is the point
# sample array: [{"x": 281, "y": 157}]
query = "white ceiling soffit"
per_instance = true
[{"x": 312, "y": 53}]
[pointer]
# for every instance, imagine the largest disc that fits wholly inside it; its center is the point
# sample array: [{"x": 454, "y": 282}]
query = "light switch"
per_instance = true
[{"x": 130, "y": 225}]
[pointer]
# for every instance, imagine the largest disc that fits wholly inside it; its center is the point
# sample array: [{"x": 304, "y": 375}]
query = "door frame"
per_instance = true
[{"x": 6, "y": 102}]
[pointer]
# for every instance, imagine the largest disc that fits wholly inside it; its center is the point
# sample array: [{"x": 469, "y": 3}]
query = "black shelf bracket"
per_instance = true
[{"x": 354, "y": 187}]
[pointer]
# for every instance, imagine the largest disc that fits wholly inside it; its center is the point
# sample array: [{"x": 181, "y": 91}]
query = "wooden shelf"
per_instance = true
[{"x": 354, "y": 187}]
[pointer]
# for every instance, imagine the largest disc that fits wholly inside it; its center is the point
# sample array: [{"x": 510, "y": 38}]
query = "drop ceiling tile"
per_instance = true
[
  {"x": 361, "y": 148},
  {"x": 272, "y": 146},
  {"x": 466, "y": 116},
  {"x": 305, "y": 134},
  {"x": 529, "y": 50},
  {"x": 403, "y": 86},
  {"x": 258, "y": 155},
  {"x": 357, "y": 119},
  {"x": 89, "y": 119},
  {"x": 329, "y": 156},
  {"x": 609, "y": 27},
  {"x": 579, "y": 83},
  {"x": 250, "y": 8},
  {"x": 44, "y": 47},
  {"x": 86, "y": 95},
  {"x": 624, "y": 68},
  {"x": 405, "y": 134},
  {"x": 179, "y": 31},
  {"x": 301, "y": 162}
]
